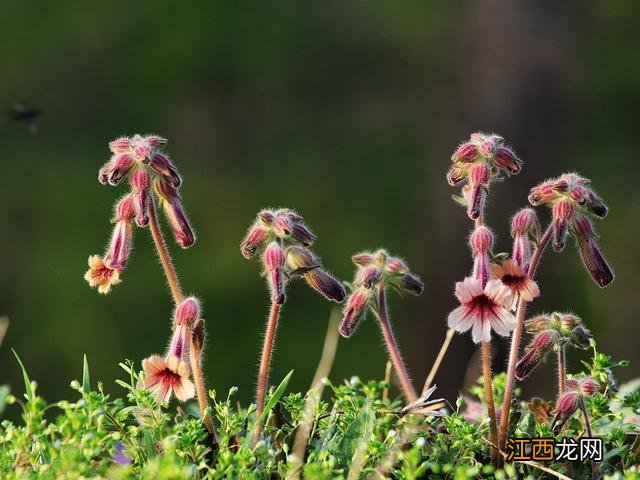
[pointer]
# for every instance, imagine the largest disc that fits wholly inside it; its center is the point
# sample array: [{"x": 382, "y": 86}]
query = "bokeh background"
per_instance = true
[{"x": 345, "y": 111}]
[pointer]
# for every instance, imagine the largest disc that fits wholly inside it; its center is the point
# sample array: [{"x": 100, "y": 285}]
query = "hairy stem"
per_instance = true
[
  {"x": 392, "y": 347},
  {"x": 561, "y": 370},
  {"x": 165, "y": 257},
  {"x": 436, "y": 365},
  {"x": 488, "y": 395},
  {"x": 515, "y": 339},
  {"x": 195, "y": 351},
  {"x": 265, "y": 363}
]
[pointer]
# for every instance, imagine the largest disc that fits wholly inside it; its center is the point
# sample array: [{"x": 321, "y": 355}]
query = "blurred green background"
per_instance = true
[{"x": 346, "y": 111}]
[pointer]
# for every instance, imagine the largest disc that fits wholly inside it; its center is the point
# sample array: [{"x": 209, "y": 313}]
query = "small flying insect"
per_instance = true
[{"x": 25, "y": 114}]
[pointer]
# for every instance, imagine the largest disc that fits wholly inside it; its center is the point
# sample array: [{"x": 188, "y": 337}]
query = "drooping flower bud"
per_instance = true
[
  {"x": 408, "y": 283},
  {"x": 301, "y": 234},
  {"x": 120, "y": 145},
  {"x": 507, "y": 160},
  {"x": 368, "y": 276},
  {"x": 581, "y": 337},
  {"x": 172, "y": 207},
  {"x": 161, "y": 165},
  {"x": 566, "y": 406},
  {"x": 525, "y": 222},
  {"x": 120, "y": 245},
  {"x": 466, "y": 152},
  {"x": 273, "y": 259},
  {"x": 266, "y": 216},
  {"x": 481, "y": 240},
  {"x": 282, "y": 226},
  {"x": 256, "y": 239},
  {"x": 354, "y": 311},
  {"x": 537, "y": 350},
  {"x": 596, "y": 265},
  {"x": 115, "y": 169},
  {"x": 155, "y": 141},
  {"x": 589, "y": 387},
  {"x": 478, "y": 179},
  {"x": 325, "y": 284},
  {"x": 396, "y": 266},
  {"x": 140, "y": 184},
  {"x": 187, "y": 312},
  {"x": 562, "y": 212},
  {"x": 363, "y": 259}
]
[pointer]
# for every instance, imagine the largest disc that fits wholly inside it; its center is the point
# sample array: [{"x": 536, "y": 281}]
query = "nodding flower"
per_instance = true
[
  {"x": 573, "y": 204},
  {"x": 170, "y": 374},
  {"x": 375, "y": 270},
  {"x": 282, "y": 239},
  {"x": 481, "y": 159},
  {"x": 577, "y": 389},
  {"x": 524, "y": 231},
  {"x": 104, "y": 272},
  {"x": 551, "y": 333},
  {"x": 148, "y": 170}
]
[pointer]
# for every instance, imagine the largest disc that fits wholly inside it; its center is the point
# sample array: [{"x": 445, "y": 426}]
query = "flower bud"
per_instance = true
[
  {"x": 155, "y": 141},
  {"x": 589, "y": 387},
  {"x": 596, "y": 205},
  {"x": 566, "y": 406},
  {"x": 273, "y": 260},
  {"x": 397, "y": 266},
  {"x": 476, "y": 201},
  {"x": 537, "y": 324},
  {"x": 561, "y": 213},
  {"x": 568, "y": 321},
  {"x": 479, "y": 174},
  {"x": 301, "y": 234},
  {"x": 581, "y": 337},
  {"x": 325, "y": 284},
  {"x": 282, "y": 226},
  {"x": 466, "y": 152},
  {"x": 456, "y": 174},
  {"x": 525, "y": 222},
  {"x": 161, "y": 165},
  {"x": 354, "y": 310},
  {"x": 187, "y": 312},
  {"x": 507, "y": 160},
  {"x": 595, "y": 263},
  {"x": 255, "y": 239},
  {"x": 368, "y": 276},
  {"x": 409, "y": 283},
  {"x": 182, "y": 231},
  {"x": 116, "y": 169},
  {"x": 582, "y": 227},
  {"x": 301, "y": 260},
  {"x": 543, "y": 193},
  {"x": 481, "y": 240},
  {"x": 537, "y": 350},
  {"x": 266, "y": 216},
  {"x": 124, "y": 210},
  {"x": 481, "y": 268},
  {"x": 120, "y": 145},
  {"x": 140, "y": 182},
  {"x": 363, "y": 259},
  {"x": 120, "y": 245}
]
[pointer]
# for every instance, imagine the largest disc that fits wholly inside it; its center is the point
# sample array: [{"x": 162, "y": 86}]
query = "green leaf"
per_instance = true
[
  {"x": 275, "y": 397},
  {"x": 4, "y": 392},
  {"x": 86, "y": 381},
  {"x": 28, "y": 386},
  {"x": 357, "y": 433}
]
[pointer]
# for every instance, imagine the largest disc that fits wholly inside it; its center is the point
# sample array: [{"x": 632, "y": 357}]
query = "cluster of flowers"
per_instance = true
[
  {"x": 283, "y": 239},
  {"x": 150, "y": 173}
]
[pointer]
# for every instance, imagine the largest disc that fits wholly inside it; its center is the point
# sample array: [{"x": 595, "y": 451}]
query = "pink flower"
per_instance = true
[
  {"x": 165, "y": 376},
  {"x": 513, "y": 276},
  {"x": 482, "y": 309},
  {"x": 101, "y": 275},
  {"x": 354, "y": 310}
]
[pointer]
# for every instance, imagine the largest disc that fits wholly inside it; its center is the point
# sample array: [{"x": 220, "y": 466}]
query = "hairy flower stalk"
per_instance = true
[
  {"x": 485, "y": 301},
  {"x": 573, "y": 203},
  {"x": 153, "y": 178},
  {"x": 281, "y": 238},
  {"x": 378, "y": 271}
]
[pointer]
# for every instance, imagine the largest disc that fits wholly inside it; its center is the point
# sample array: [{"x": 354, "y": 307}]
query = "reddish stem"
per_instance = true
[
  {"x": 165, "y": 257},
  {"x": 561, "y": 370},
  {"x": 265, "y": 363},
  {"x": 392, "y": 347},
  {"x": 515, "y": 339}
]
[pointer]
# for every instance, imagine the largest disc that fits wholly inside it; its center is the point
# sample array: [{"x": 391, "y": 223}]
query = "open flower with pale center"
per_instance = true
[
  {"x": 165, "y": 376},
  {"x": 513, "y": 276},
  {"x": 482, "y": 309},
  {"x": 101, "y": 275}
]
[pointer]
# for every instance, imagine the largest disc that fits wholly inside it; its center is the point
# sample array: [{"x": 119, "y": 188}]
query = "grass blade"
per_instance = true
[
  {"x": 28, "y": 386},
  {"x": 86, "y": 380}
]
